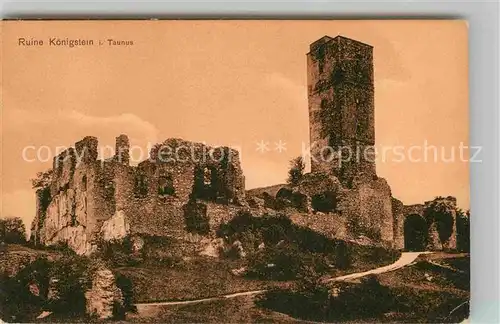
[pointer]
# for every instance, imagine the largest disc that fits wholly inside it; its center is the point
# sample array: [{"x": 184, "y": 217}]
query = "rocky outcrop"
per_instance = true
[
  {"x": 104, "y": 297},
  {"x": 116, "y": 227},
  {"x": 211, "y": 248}
]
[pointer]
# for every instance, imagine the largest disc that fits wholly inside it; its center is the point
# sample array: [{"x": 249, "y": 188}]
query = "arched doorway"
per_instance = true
[{"x": 415, "y": 233}]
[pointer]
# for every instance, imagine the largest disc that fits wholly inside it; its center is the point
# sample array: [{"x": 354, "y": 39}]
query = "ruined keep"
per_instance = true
[
  {"x": 341, "y": 108},
  {"x": 342, "y": 131},
  {"x": 185, "y": 184},
  {"x": 342, "y": 196}
]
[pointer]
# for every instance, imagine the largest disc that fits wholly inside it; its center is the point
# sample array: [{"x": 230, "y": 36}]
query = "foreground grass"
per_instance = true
[
  {"x": 236, "y": 310},
  {"x": 436, "y": 292},
  {"x": 193, "y": 279},
  {"x": 202, "y": 277}
]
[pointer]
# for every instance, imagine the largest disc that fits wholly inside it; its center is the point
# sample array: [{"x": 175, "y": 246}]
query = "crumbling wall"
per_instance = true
[
  {"x": 439, "y": 216},
  {"x": 320, "y": 190},
  {"x": 220, "y": 214},
  {"x": 90, "y": 199},
  {"x": 115, "y": 228},
  {"x": 82, "y": 197},
  {"x": 65, "y": 217},
  {"x": 398, "y": 216},
  {"x": 368, "y": 209},
  {"x": 189, "y": 162}
]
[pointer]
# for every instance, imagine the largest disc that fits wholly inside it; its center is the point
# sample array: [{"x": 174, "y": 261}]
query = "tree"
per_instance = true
[
  {"x": 23, "y": 295},
  {"x": 463, "y": 230},
  {"x": 71, "y": 277},
  {"x": 296, "y": 171},
  {"x": 12, "y": 230},
  {"x": 42, "y": 180}
]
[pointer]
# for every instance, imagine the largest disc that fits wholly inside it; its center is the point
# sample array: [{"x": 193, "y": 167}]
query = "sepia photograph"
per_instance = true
[{"x": 235, "y": 171}]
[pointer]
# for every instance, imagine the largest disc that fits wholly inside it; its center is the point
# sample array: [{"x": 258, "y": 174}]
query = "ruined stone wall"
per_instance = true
[
  {"x": 82, "y": 198},
  {"x": 334, "y": 210},
  {"x": 89, "y": 199},
  {"x": 398, "y": 221},
  {"x": 104, "y": 296},
  {"x": 368, "y": 208},
  {"x": 222, "y": 162},
  {"x": 75, "y": 202},
  {"x": 439, "y": 217},
  {"x": 220, "y": 214},
  {"x": 179, "y": 163}
]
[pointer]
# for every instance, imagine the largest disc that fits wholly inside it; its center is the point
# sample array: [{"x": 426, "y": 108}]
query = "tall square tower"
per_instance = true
[{"x": 341, "y": 108}]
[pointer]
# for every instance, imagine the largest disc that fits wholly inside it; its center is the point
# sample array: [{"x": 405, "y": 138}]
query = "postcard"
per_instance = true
[{"x": 235, "y": 171}]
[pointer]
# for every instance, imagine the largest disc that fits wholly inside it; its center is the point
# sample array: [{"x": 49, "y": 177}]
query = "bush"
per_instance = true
[
  {"x": 31, "y": 289},
  {"x": 12, "y": 231},
  {"x": 287, "y": 246},
  {"x": 71, "y": 277},
  {"x": 125, "y": 285},
  {"x": 23, "y": 295},
  {"x": 314, "y": 302},
  {"x": 118, "y": 253},
  {"x": 296, "y": 171},
  {"x": 310, "y": 306},
  {"x": 273, "y": 229},
  {"x": 342, "y": 256},
  {"x": 283, "y": 262},
  {"x": 58, "y": 286},
  {"x": 364, "y": 300}
]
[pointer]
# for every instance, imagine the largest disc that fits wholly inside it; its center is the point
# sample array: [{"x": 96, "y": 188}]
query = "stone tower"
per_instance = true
[{"x": 341, "y": 108}]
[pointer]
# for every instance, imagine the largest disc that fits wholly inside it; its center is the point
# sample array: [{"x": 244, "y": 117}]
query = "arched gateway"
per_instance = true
[{"x": 415, "y": 233}]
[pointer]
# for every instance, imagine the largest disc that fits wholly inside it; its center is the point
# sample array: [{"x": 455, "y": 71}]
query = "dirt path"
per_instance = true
[{"x": 405, "y": 259}]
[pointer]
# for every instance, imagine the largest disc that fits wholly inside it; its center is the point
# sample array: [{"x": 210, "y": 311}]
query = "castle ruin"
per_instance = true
[{"x": 89, "y": 199}]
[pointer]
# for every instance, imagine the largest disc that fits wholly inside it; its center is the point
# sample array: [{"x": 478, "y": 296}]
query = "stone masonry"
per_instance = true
[
  {"x": 341, "y": 107},
  {"x": 90, "y": 199},
  {"x": 342, "y": 197}
]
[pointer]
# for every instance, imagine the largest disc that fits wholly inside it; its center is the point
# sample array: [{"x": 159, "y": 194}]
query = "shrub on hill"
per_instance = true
[
  {"x": 369, "y": 299},
  {"x": 57, "y": 285},
  {"x": 122, "y": 253},
  {"x": 277, "y": 249},
  {"x": 283, "y": 262},
  {"x": 12, "y": 231},
  {"x": 70, "y": 278},
  {"x": 24, "y": 294},
  {"x": 55, "y": 282}
]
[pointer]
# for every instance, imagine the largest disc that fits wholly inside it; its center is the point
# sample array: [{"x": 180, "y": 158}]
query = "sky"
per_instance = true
[{"x": 234, "y": 83}]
